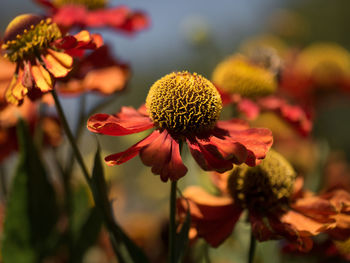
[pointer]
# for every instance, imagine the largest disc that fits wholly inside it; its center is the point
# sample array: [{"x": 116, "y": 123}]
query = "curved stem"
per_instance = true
[
  {"x": 172, "y": 222},
  {"x": 70, "y": 137},
  {"x": 251, "y": 248}
]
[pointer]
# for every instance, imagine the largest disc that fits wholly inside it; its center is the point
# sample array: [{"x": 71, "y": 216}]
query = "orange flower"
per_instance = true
[
  {"x": 184, "y": 108},
  {"x": 277, "y": 206},
  {"x": 41, "y": 55},
  {"x": 95, "y": 13},
  {"x": 97, "y": 72}
]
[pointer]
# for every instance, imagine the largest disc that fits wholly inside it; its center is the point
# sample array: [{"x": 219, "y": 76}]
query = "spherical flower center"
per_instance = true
[
  {"x": 89, "y": 4},
  {"x": 265, "y": 187},
  {"x": 184, "y": 104},
  {"x": 238, "y": 75},
  {"x": 27, "y": 36}
]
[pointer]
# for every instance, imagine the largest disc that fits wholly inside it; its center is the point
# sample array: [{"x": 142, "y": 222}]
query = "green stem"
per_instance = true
[
  {"x": 3, "y": 182},
  {"x": 251, "y": 248},
  {"x": 70, "y": 137},
  {"x": 172, "y": 222}
]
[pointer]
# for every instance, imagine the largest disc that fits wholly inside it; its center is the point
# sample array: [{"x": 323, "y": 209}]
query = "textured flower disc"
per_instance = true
[
  {"x": 184, "y": 104},
  {"x": 89, "y": 4},
  {"x": 237, "y": 75},
  {"x": 266, "y": 186},
  {"x": 27, "y": 35}
]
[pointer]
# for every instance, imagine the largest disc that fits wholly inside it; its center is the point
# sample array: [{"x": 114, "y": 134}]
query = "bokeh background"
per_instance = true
[{"x": 195, "y": 36}]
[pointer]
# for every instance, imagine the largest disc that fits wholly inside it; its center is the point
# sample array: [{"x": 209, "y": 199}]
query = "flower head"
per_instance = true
[
  {"x": 238, "y": 75},
  {"x": 41, "y": 54},
  {"x": 184, "y": 104},
  {"x": 183, "y": 107},
  {"x": 277, "y": 206}
]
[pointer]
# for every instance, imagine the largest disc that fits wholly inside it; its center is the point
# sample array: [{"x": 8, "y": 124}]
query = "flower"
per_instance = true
[
  {"x": 183, "y": 107},
  {"x": 96, "y": 72},
  {"x": 277, "y": 206},
  {"x": 319, "y": 68},
  {"x": 95, "y": 13},
  {"x": 238, "y": 75},
  {"x": 251, "y": 84},
  {"x": 41, "y": 54}
]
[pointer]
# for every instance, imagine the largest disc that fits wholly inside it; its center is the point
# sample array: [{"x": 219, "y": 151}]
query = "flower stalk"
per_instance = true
[
  {"x": 252, "y": 247},
  {"x": 172, "y": 222}
]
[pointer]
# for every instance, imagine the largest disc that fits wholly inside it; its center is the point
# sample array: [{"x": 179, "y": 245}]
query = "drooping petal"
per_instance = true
[
  {"x": 208, "y": 159},
  {"x": 213, "y": 217},
  {"x": 300, "y": 240},
  {"x": 41, "y": 77},
  {"x": 16, "y": 92},
  {"x": 122, "y": 157},
  {"x": 260, "y": 228},
  {"x": 128, "y": 121},
  {"x": 163, "y": 155},
  {"x": 57, "y": 63},
  {"x": 256, "y": 140}
]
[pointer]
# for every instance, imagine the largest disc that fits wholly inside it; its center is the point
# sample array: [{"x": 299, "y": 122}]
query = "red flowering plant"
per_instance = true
[
  {"x": 251, "y": 83},
  {"x": 183, "y": 108},
  {"x": 41, "y": 55},
  {"x": 277, "y": 206},
  {"x": 94, "y": 14}
]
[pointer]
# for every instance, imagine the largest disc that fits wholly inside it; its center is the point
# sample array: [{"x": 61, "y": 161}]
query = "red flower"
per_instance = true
[
  {"x": 95, "y": 72},
  {"x": 95, "y": 14},
  {"x": 41, "y": 54},
  {"x": 183, "y": 107},
  {"x": 277, "y": 206}
]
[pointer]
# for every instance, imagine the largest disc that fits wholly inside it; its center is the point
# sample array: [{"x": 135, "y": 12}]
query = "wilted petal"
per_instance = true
[
  {"x": 122, "y": 157},
  {"x": 129, "y": 121},
  {"x": 16, "y": 92}
]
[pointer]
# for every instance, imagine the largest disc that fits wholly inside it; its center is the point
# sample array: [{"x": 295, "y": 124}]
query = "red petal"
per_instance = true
[
  {"x": 293, "y": 114},
  {"x": 163, "y": 155},
  {"x": 128, "y": 121},
  {"x": 70, "y": 15},
  {"x": 122, "y": 157},
  {"x": 256, "y": 140},
  {"x": 208, "y": 157},
  {"x": 249, "y": 108},
  {"x": 213, "y": 217},
  {"x": 301, "y": 240}
]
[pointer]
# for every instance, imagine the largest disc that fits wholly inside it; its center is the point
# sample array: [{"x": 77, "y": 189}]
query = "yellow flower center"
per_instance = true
[
  {"x": 184, "y": 104},
  {"x": 237, "y": 75},
  {"x": 266, "y": 186},
  {"x": 89, "y": 4},
  {"x": 27, "y": 36}
]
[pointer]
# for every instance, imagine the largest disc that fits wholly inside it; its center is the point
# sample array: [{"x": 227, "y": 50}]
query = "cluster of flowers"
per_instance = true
[{"x": 41, "y": 57}]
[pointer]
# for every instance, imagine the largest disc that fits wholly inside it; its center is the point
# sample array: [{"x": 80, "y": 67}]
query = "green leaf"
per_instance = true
[
  {"x": 181, "y": 239},
  {"x": 125, "y": 249},
  {"x": 31, "y": 213}
]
